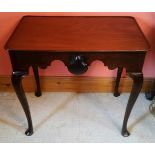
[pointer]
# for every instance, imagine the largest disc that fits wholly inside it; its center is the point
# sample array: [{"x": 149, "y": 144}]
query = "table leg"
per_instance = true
[
  {"x": 119, "y": 73},
  {"x": 136, "y": 88},
  {"x": 17, "y": 84},
  {"x": 36, "y": 75}
]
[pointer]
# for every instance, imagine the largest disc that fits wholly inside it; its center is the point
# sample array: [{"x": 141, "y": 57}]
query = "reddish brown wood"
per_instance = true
[
  {"x": 22, "y": 60},
  {"x": 77, "y": 41},
  {"x": 78, "y": 33}
]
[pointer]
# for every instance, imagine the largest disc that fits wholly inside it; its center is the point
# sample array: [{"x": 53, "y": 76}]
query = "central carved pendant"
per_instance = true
[{"x": 77, "y": 65}]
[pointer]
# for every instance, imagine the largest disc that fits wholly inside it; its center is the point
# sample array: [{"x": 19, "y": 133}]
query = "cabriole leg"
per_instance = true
[
  {"x": 17, "y": 84},
  {"x": 136, "y": 88}
]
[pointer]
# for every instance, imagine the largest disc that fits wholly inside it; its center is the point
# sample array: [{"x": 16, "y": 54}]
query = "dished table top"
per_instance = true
[{"x": 77, "y": 33}]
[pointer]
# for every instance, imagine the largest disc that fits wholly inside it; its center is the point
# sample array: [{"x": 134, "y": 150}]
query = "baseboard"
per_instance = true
[{"x": 74, "y": 84}]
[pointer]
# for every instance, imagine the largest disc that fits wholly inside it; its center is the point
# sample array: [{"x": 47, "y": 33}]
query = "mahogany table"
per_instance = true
[{"x": 77, "y": 41}]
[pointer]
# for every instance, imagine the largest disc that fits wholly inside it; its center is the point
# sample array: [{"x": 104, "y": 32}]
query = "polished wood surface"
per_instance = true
[
  {"x": 118, "y": 42},
  {"x": 77, "y": 33}
]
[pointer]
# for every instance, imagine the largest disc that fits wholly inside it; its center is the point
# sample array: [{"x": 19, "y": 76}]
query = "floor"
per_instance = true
[{"x": 75, "y": 117}]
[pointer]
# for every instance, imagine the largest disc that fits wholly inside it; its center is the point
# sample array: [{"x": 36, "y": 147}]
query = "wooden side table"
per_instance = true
[{"x": 77, "y": 41}]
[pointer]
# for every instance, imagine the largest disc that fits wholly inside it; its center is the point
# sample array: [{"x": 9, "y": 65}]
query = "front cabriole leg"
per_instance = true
[
  {"x": 136, "y": 88},
  {"x": 17, "y": 84}
]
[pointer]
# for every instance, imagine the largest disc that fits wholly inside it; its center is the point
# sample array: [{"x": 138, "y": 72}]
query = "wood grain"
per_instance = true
[
  {"x": 74, "y": 84},
  {"x": 77, "y": 33}
]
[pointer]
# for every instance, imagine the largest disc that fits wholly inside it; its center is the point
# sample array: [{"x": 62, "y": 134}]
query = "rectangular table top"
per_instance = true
[{"x": 77, "y": 33}]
